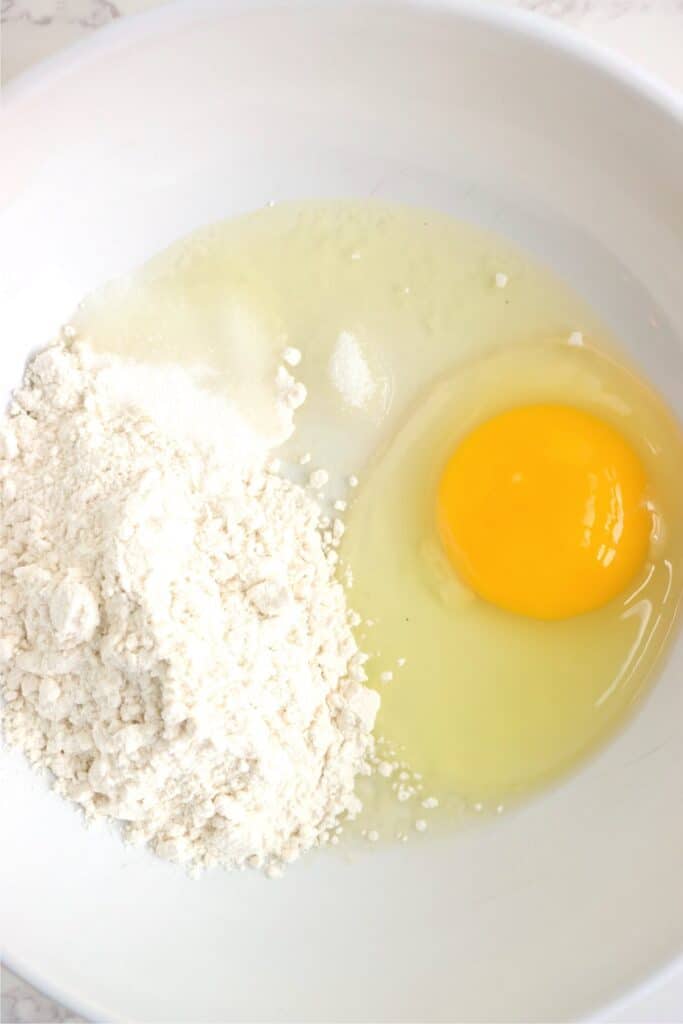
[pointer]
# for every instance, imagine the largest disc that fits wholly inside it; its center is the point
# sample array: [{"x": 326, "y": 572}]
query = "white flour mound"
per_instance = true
[{"x": 174, "y": 646}]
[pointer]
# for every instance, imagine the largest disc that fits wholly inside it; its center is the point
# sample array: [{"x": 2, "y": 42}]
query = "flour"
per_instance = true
[{"x": 174, "y": 646}]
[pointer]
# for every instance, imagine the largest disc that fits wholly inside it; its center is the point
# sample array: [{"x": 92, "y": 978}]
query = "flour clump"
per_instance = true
[{"x": 174, "y": 645}]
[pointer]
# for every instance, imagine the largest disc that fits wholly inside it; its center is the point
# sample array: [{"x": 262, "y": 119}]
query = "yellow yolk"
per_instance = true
[{"x": 542, "y": 511}]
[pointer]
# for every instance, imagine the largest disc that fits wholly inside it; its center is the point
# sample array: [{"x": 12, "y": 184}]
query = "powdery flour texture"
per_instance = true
[{"x": 174, "y": 646}]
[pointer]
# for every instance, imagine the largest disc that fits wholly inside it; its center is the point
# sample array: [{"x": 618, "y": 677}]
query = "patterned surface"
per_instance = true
[
  {"x": 86, "y": 13},
  {"x": 648, "y": 31},
  {"x": 20, "y": 1003}
]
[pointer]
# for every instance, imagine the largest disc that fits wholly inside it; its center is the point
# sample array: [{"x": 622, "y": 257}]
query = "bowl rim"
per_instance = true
[{"x": 516, "y": 22}]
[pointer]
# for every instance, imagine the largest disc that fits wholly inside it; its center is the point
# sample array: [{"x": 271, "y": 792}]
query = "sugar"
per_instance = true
[{"x": 350, "y": 373}]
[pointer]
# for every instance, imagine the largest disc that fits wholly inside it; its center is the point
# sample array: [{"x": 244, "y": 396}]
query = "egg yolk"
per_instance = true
[{"x": 542, "y": 511}]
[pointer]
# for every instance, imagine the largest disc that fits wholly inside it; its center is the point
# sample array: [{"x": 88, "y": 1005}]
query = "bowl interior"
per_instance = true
[{"x": 203, "y": 110}]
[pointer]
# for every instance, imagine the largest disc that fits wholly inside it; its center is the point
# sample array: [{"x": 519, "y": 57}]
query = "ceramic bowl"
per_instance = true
[{"x": 202, "y": 110}]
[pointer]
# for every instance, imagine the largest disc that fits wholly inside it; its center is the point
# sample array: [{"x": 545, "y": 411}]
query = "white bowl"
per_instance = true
[{"x": 201, "y": 110}]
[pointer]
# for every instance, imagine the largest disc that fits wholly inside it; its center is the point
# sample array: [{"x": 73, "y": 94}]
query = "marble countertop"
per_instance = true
[{"x": 648, "y": 32}]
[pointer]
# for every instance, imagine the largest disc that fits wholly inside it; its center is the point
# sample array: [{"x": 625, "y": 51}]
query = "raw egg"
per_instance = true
[{"x": 516, "y": 542}]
